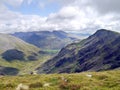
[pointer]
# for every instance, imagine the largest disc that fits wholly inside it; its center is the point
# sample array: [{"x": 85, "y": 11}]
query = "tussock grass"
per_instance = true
[{"x": 106, "y": 80}]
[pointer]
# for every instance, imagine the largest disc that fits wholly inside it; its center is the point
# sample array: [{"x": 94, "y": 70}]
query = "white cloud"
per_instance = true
[
  {"x": 106, "y": 6},
  {"x": 75, "y": 15}
]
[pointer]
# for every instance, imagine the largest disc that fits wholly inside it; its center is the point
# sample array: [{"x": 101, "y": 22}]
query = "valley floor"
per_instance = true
[{"x": 106, "y": 80}]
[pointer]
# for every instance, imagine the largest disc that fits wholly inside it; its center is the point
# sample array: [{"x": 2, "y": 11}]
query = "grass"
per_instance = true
[
  {"x": 106, "y": 80},
  {"x": 25, "y": 67},
  {"x": 51, "y": 51}
]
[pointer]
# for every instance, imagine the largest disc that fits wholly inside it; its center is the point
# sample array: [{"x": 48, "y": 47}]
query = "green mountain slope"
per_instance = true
[
  {"x": 15, "y": 53},
  {"x": 8, "y": 42},
  {"x": 101, "y": 51}
]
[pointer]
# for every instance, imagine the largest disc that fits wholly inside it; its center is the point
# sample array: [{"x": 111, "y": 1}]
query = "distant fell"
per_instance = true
[{"x": 47, "y": 39}]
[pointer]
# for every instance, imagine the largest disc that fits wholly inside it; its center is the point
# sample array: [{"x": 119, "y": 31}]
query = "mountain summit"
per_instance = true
[{"x": 100, "y": 51}]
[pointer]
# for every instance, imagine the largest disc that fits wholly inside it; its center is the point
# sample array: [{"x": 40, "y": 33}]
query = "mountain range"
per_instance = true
[
  {"x": 47, "y": 40},
  {"x": 23, "y": 56},
  {"x": 98, "y": 52}
]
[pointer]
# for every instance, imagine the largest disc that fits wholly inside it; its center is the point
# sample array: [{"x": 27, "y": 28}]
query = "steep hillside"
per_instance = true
[
  {"x": 13, "y": 48},
  {"x": 46, "y": 39},
  {"x": 101, "y": 51},
  {"x": 19, "y": 57}
]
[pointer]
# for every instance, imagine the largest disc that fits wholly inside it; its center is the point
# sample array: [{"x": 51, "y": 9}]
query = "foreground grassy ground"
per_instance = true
[{"x": 108, "y": 80}]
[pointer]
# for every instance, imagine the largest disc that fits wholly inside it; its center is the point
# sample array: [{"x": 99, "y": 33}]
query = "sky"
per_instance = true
[{"x": 83, "y": 16}]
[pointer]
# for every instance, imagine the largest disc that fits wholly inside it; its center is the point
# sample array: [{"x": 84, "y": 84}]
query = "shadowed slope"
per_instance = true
[{"x": 101, "y": 51}]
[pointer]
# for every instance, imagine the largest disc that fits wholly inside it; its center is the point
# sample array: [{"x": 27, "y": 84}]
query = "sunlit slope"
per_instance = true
[{"x": 10, "y": 42}]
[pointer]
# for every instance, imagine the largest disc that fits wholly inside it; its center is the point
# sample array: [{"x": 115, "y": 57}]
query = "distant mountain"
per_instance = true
[
  {"x": 100, "y": 51},
  {"x": 80, "y": 35},
  {"x": 47, "y": 39}
]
